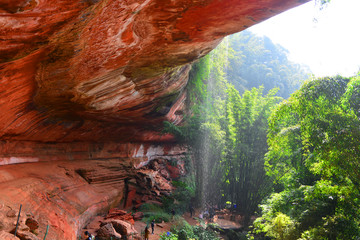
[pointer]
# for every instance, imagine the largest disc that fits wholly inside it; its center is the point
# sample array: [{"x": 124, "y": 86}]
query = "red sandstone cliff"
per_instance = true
[
  {"x": 107, "y": 70},
  {"x": 88, "y": 83}
]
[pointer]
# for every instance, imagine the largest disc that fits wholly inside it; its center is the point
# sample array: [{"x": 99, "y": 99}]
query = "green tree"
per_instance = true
[
  {"x": 227, "y": 135},
  {"x": 314, "y": 158},
  {"x": 256, "y": 61},
  {"x": 245, "y": 182}
]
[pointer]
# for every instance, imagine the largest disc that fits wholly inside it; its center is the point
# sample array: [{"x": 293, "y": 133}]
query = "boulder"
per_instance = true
[
  {"x": 32, "y": 224},
  {"x": 107, "y": 231},
  {"x": 122, "y": 227},
  {"x": 127, "y": 217}
]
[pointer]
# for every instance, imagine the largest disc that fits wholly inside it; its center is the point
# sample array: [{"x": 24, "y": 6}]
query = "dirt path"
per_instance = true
[{"x": 158, "y": 230}]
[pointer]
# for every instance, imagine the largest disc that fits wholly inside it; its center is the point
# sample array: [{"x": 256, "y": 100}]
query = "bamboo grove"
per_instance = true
[{"x": 294, "y": 164}]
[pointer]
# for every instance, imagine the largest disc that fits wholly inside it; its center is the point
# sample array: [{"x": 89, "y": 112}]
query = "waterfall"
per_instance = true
[{"x": 214, "y": 72}]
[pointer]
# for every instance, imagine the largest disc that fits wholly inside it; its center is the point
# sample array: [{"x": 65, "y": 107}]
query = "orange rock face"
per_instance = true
[
  {"x": 66, "y": 195},
  {"x": 107, "y": 70},
  {"x": 84, "y": 88}
]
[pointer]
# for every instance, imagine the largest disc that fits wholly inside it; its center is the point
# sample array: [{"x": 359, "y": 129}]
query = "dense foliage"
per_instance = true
[
  {"x": 154, "y": 212},
  {"x": 313, "y": 156},
  {"x": 300, "y": 158},
  {"x": 227, "y": 134},
  {"x": 256, "y": 61},
  {"x": 242, "y": 166},
  {"x": 184, "y": 231}
]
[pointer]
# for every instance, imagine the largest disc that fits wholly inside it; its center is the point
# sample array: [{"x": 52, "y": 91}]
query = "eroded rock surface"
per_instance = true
[
  {"x": 107, "y": 231},
  {"x": 66, "y": 195},
  {"x": 84, "y": 88},
  {"x": 107, "y": 70}
]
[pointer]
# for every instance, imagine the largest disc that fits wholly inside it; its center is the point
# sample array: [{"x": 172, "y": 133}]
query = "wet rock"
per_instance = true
[
  {"x": 145, "y": 198},
  {"x": 174, "y": 171},
  {"x": 107, "y": 231}
]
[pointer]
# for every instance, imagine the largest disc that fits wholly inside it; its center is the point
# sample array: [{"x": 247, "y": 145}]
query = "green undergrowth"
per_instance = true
[
  {"x": 153, "y": 211},
  {"x": 181, "y": 197},
  {"x": 182, "y": 230},
  {"x": 178, "y": 201}
]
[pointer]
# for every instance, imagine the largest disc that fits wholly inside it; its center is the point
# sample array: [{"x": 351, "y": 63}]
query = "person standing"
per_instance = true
[
  {"x": 191, "y": 209},
  {"x": 152, "y": 226},
  {"x": 147, "y": 233}
]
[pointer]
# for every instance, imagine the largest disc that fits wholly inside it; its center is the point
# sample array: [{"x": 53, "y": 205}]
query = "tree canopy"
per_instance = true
[
  {"x": 298, "y": 158},
  {"x": 227, "y": 134},
  {"x": 314, "y": 158},
  {"x": 255, "y": 61}
]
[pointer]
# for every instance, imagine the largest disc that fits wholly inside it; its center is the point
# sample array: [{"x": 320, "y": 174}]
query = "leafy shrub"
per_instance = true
[
  {"x": 168, "y": 236},
  {"x": 181, "y": 197},
  {"x": 314, "y": 156},
  {"x": 184, "y": 231},
  {"x": 281, "y": 227},
  {"x": 152, "y": 211}
]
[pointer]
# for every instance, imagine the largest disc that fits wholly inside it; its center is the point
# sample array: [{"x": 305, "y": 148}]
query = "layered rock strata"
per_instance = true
[
  {"x": 66, "y": 195},
  {"x": 84, "y": 88},
  {"x": 98, "y": 70}
]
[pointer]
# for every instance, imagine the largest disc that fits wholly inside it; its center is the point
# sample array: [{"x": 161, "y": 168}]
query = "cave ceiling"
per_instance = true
[{"x": 101, "y": 70}]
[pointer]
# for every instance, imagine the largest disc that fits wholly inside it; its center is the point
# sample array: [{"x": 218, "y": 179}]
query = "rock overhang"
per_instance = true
[{"x": 108, "y": 70}]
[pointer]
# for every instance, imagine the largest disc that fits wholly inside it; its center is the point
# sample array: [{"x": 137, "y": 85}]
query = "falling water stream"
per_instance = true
[{"x": 211, "y": 94}]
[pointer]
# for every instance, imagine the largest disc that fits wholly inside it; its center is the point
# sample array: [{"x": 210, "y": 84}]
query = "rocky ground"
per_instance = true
[
  {"x": 107, "y": 227},
  {"x": 131, "y": 222},
  {"x": 116, "y": 224},
  {"x": 27, "y": 228},
  {"x": 66, "y": 195}
]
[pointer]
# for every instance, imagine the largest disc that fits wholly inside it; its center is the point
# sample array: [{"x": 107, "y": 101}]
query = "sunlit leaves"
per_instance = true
[
  {"x": 314, "y": 141},
  {"x": 258, "y": 61}
]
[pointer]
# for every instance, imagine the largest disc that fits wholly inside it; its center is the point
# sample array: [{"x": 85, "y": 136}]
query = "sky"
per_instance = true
[{"x": 326, "y": 40}]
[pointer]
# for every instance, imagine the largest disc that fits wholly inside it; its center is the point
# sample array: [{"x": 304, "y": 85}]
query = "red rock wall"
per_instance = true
[
  {"x": 107, "y": 70},
  {"x": 140, "y": 153},
  {"x": 55, "y": 195},
  {"x": 66, "y": 195},
  {"x": 84, "y": 88}
]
